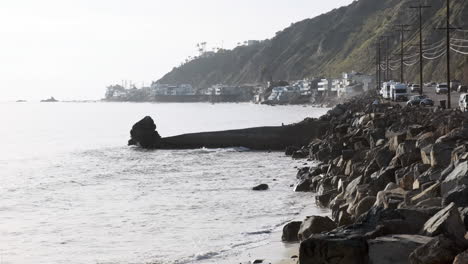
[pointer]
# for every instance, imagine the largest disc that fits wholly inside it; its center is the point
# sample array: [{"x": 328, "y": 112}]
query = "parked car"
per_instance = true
[
  {"x": 441, "y": 88},
  {"x": 421, "y": 100},
  {"x": 415, "y": 88},
  {"x": 462, "y": 88},
  {"x": 431, "y": 84}
]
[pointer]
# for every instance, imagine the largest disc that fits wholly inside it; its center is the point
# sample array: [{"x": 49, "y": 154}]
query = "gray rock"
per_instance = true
[
  {"x": 441, "y": 154},
  {"x": 440, "y": 250},
  {"x": 459, "y": 196},
  {"x": 458, "y": 176},
  {"x": 315, "y": 225},
  {"x": 447, "y": 221},
  {"x": 431, "y": 192},
  {"x": 303, "y": 185},
  {"x": 323, "y": 249},
  {"x": 425, "y": 140},
  {"x": 394, "y": 249},
  {"x": 383, "y": 157},
  {"x": 364, "y": 205},
  {"x": 290, "y": 231}
]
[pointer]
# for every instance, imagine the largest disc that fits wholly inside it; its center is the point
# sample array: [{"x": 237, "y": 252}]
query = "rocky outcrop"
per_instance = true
[
  {"x": 144, "y": 134},
  {"x": 259, "y": 138}
]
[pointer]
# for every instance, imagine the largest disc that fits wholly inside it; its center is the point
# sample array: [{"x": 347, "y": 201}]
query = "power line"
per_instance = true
[{"x": 420, "y": 8}]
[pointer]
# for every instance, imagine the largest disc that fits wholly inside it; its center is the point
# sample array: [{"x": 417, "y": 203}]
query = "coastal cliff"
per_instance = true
[
  {"x": 396, "y": 181},
  {"x": 330, "y": 44}
]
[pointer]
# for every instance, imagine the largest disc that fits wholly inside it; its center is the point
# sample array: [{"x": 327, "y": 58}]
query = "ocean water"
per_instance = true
[{"x": 73, "y": 192}]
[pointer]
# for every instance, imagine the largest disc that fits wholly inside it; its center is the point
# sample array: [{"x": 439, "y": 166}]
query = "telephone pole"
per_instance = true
[
  {"x": 447, "y": 29},
  {"x": 386, "y": 56},
  {"x": 420, "y": 7},
  {"x": 402, "y": 29}
]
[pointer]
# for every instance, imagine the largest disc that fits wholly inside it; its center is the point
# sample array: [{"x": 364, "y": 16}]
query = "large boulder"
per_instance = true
[
  {"x": 441, "y": 154},
  {"x": 364, "y": 205},
  {"x": 459, "y": 196},
  {"x": 394, "y": 249},
  {"x": 458, "y": 176},
  {"x": 407, "y": 153},
  {"x": 303, "y": 185},
  {"x": 324, "y": 249},
  {"x": 431, "y": 192},
  {"x": 144, "y": 134},
  {"x": 440, "y": 250},
  {"x": 290, "y": 231},
  {"x": 383, "y": 157},
  {"x": 448, "y": 222},
  {"x": 425, "y": 140},
  {"x": 315, "y": 225}
]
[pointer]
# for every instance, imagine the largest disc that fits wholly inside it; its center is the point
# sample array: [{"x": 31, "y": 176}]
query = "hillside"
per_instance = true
[{"x": 340, "y": 40}]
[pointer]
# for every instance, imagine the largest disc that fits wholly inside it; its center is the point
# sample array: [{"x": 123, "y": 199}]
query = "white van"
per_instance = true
[
  {"x": 463, "y": 102},
  {"x": 399, "y": 92},
  {"x": 385, "y": 90}
]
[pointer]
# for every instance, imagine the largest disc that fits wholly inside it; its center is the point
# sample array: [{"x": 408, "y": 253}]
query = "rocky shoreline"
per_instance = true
[{"x": 396, "y": 181}]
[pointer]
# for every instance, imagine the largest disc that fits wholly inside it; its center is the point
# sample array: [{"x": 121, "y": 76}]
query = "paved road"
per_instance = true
[{"x": 430, "y": 92}]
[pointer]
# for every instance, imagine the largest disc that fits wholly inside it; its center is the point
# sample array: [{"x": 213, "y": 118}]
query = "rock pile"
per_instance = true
[{"x": 396, "y": 181}]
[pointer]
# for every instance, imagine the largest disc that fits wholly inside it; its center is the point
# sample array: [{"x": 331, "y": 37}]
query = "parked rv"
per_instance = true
[{"x": 399, "y": 92}]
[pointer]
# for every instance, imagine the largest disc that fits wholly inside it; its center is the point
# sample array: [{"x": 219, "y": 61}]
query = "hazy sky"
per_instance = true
[{"x": 73, "y": 49}]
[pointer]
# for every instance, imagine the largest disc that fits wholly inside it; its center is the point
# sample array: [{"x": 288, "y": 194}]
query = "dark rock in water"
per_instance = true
[
  {"x": 440, "y": 250},
  {"x": 290, "y": 231},
  {"x": 290, "y": 150},
  {"x": 303, "y": 186},
  {"x": 323, "y": 249},
  {"x": 261, "y": 187},
  {"x": 144, "y": 134},
  {"x": 325, "y": 198},
  {"x": 300, "y": 154}
]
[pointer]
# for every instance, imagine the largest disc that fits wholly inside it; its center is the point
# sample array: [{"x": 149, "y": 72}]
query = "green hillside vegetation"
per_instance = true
[{"x": 327, "y": 45}]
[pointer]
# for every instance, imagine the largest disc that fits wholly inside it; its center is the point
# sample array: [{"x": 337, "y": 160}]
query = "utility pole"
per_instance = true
[
  {"x": 386, "y": 56},
  {"x": 402, "y": 29},
  {"x": 379, "y": 69},
  {"x": 448, "y": 28},
  {"x": 420, "y": 7}
]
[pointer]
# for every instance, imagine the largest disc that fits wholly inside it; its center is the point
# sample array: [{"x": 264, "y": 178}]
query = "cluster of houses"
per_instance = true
[{"x": 280, "y": 92}]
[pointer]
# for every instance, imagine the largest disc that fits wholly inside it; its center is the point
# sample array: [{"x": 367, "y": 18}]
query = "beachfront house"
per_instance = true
[
  {"x": 171, "y": 90},
  {"x": 354, "y": 83},
  {"x": 323, "y": 86}
]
